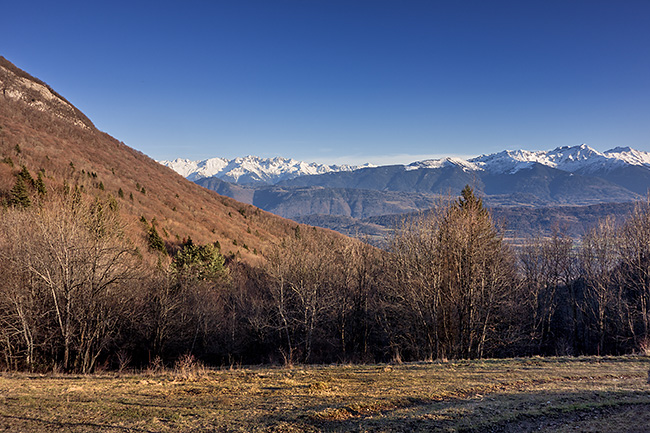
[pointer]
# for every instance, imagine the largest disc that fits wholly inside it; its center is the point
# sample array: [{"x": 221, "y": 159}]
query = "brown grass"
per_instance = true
[{"x": 585, "y": 394}]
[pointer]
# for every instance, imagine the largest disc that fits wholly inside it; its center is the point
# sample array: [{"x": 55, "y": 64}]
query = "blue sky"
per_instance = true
[{"x": 344, "y": 81}]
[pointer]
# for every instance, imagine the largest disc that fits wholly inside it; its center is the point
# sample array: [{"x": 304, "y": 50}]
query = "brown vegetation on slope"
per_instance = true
[{"x": 42, "y": 131}]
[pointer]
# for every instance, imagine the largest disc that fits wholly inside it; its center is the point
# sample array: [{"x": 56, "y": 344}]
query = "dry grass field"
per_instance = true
[{"x": 531, "y": 394}]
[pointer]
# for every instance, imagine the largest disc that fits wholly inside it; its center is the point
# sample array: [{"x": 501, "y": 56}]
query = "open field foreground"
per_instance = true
[{"x": 532, "y": 394}]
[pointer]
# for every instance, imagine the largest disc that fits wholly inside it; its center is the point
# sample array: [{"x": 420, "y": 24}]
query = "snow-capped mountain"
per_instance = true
[
  {"x": 252, "y": 169},
  {"x": 443, "y": 162},
  {"x": 565, "y": 176},
  {"x": 573, "y": 159},
  {"x": 630, "y": 156}
]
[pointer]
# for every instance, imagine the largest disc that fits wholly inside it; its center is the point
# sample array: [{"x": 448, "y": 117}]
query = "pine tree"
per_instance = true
[
  {"x": 156, "y": 243},
  {"x": 454, "y": 271},
  {"x": 468, "y": 200},
  {"x": 199, "y": 262},
  {"x": 40, "y": 185},
  {"x": 19, "y": 195},
  {"x": 27, "y": 178}
]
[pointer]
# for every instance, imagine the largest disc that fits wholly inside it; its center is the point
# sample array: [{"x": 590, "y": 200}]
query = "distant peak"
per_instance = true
[
  {"x": 620, "y": 149},
  {"x": 443, "y": 162},
  {"x": 582, "y": 146}
]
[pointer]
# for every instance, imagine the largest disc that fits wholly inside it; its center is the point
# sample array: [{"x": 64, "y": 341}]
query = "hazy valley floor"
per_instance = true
[{"x": 532, "y": 394}]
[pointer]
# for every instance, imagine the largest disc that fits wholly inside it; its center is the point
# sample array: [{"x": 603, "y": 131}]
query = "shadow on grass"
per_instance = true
[
  {"x": 500, "y": 412},
  {"x": 66, "y": 426}
]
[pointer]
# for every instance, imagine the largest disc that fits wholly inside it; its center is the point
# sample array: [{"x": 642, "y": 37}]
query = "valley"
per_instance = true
[{"x": 531, "y": 193}]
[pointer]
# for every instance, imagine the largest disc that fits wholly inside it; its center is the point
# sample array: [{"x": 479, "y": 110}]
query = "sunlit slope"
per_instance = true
[{"x": 43, "y": 131}]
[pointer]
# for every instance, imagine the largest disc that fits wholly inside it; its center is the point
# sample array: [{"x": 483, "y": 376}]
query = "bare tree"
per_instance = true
[
  {"x": 21, "y": 314},
  {"x": 453, "y": 272},
  {"x": 304, "y": 275},
  {"x": 76, "y": 258},
  {"x": 418, "y": 282},
  {"x": 635, "y": 256},
  {"x": 355, "y": 303},
  {"x": 599, "y": 261},
  {"x": 548, "y": 267}
]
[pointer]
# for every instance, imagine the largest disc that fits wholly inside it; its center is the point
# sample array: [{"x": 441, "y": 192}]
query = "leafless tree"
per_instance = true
[
  {"x": 635, "y": 256},
  {"x": 75, "y": 257},
  {"x": 549, "y": 266},
  {"x": 599, "y": 261},
  {"x": 304, "y": 276},
  {"x": 417, "y": 284},
  {"x": 453, "y": 272}
]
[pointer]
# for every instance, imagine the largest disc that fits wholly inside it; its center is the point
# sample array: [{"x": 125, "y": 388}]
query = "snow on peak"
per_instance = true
[
  {"x": 578, "y": 157},
  {"x": 629, "y": 156},
  {"x": 194, "y": 170},
  {"x": 251, "y": 169},
  {"x": 443, "y": 162},
  {"x": 568, "y": 158},
  {"x": 255, "y": 170},
  {"x": 509, "y": 161}
]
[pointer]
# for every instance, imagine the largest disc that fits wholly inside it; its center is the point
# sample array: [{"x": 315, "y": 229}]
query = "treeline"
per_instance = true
[{"x": 78, "y": 294}]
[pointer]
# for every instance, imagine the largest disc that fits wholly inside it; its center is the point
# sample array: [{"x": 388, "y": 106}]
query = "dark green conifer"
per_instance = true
[
  {"x": 40, "y": 185},
  {"x": 199, "y": 262},
  {"x": 156, "y": 243},
  {"x": 19, "y": 195},
  {"x": 27, "y": 177}
]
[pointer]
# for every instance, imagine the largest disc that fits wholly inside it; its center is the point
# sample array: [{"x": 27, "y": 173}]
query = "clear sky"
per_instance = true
[{"x": 344, "y": 81}]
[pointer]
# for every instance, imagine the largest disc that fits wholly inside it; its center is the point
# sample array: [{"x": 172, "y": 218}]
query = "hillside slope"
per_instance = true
[{"x": 42, "y": 131}]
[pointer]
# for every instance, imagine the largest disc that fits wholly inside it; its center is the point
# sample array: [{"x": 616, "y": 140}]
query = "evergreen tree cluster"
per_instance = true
[{"x": 25, "y": 187}]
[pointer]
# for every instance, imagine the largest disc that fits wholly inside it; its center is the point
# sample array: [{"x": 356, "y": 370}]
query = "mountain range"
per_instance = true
[
  {"x": 345, "y": 196},
  {"x": 252, "y": 170},
  {"x": 255, "y": 170}
]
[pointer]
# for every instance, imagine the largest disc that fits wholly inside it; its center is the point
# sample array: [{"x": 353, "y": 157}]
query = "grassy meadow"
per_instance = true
[{"x": 527, "y": 394}]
